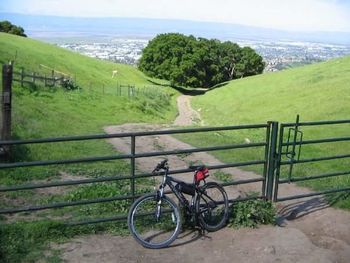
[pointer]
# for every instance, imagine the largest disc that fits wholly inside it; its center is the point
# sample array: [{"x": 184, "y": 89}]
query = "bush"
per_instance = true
[{"x": 252, "y": 213}]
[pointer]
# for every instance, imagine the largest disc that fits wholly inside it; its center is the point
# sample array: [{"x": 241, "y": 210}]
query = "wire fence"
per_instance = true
[
  {"x": 58, "y": 79},
  {"x": 32, "y": 78}
]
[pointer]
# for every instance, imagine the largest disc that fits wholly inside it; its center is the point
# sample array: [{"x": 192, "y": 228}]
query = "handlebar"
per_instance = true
[{"x": 162, "y": 165}]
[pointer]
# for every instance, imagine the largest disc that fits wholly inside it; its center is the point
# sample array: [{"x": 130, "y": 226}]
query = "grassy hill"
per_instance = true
[
  {"x": 43, "y": 112},
  {"x": 316, "y": 92},
  {"x": 30, "y": 54}
]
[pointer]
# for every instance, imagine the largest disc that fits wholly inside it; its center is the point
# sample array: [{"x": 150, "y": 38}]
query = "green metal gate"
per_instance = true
[
  {"x": 281, "y": 146},
  {"x": 290, "y": 151}
]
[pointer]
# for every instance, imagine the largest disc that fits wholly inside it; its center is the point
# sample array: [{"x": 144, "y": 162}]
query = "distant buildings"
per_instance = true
[
  {"x": 277, "y": 55},
  {"x": 126, "y": 51}
]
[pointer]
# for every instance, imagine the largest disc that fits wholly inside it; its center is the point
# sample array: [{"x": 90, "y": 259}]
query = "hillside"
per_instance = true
[
  {"x": 30, "y": 54},
  {"x": 89, "y": 109},
  {"x": 40, "y": 112},
  {"x": 316, "y": 92}
]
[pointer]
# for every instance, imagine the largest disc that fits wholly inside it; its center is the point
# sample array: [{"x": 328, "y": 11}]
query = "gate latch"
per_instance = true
[{"x": 295, "y": 138}]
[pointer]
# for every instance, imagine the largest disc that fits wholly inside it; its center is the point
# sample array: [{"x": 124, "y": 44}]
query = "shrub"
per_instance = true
[{"x": 252, "y": 213}]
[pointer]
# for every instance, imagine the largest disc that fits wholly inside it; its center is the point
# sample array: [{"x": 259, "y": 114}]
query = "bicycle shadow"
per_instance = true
[
  {"x": 189, "y": 236},
  {"x": 300, "y": 209}
]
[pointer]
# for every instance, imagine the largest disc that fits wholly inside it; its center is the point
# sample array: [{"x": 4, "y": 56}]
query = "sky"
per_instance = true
[{"x": 297, "y": 15}]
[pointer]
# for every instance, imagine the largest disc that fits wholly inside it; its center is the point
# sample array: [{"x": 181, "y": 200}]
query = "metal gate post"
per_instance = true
[
  {"x": 278, "y": 161},
  {"x": 271, "y": 160}
]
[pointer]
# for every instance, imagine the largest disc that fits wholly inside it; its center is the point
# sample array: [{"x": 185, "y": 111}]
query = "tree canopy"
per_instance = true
[
  {"x": 8, "y": 27},
  {"x": 198, "y": 62}
]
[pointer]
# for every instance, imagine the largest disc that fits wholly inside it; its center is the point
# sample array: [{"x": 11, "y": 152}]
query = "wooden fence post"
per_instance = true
[
  {"x": 7, "y": 74},
  {"x": 53, "y": 79},
  {"x": 22, "y": 76}
]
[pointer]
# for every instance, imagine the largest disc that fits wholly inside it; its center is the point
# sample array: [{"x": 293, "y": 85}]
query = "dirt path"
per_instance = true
[
  {"x": 309, "y": 231},
  {"x": 187, "y": 116}
]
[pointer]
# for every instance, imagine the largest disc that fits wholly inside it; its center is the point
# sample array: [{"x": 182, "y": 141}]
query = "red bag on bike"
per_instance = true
[{"x": 201, "y": 175}]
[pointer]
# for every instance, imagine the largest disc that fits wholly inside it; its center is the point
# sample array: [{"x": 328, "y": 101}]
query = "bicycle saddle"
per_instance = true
[{"x": 197, "y": 167}]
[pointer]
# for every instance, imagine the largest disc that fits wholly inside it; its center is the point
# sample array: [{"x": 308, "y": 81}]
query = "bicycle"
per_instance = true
[{"x": 155, "y": 221}]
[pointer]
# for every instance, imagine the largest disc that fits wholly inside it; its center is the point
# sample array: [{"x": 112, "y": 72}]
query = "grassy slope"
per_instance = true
[
  {"x": 40, "y": 112},
  {"x": 316, "y": 92},
  {"x": 30, "y": 54},
  {"x": 45, "y": 113}
]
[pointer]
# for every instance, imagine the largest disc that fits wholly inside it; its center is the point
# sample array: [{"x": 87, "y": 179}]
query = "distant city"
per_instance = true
[{"x": 277, "y": 55}]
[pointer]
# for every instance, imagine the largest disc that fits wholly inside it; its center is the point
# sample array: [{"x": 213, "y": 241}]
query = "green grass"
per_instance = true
[
  {"x": 316, "y": 92},
  {"x": 40, "y": 112},
  {"x": 30, "y": 54}
]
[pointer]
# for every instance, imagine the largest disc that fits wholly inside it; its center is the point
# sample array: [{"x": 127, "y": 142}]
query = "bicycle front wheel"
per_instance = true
[
  {"x": 212, "y": 206},
  {"x": 154, "y": 223}
]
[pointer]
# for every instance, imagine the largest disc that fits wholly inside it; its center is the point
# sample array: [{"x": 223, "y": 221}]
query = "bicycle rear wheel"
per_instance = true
[
  {"x": 212, "y": 206},
  {"x": 150, "y": 230}
]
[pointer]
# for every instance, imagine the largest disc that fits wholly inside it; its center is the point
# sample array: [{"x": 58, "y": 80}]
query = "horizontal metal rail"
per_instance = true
[
  {"x": 204, "y": 149},
  {"x": 239, "y": 182},
  {"x": 97, "y": 220},
  {"x": 298, "y": 179},
  {"x": 99, "y": 200},
  {"x": 66, "y": 204},
  {"x": 117, "y": 178},
  {"x": 316, "y": 123},
  {"x": 318, "y": 141},
  {"x": 315, "y": 159},
  {"x": 312, "y": 194},
  {"x": 130, "y": 134},
  {"x": 124, "y": 217},
  {"x": 69, "y": 161},
  {"x": 126, "y": 156}
]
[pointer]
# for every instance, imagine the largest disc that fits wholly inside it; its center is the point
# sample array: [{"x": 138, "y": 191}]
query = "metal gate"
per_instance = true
[
  {"x": 289, "y": 156},
  {"x": 281, "y": 146},
  {"x": 265, "y": 179}
]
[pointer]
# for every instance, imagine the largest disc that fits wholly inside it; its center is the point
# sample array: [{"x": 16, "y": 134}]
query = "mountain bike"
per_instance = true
[{"x": 155, "y": 220}]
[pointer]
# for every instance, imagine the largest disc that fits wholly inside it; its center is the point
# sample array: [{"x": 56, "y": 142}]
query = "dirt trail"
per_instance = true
[
  {"x": 187, "y": 116},
  {"x": 309, "y": 230}
]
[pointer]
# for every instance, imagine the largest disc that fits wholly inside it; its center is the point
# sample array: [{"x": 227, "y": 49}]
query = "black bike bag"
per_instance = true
[{"x": 186, "y": 188}]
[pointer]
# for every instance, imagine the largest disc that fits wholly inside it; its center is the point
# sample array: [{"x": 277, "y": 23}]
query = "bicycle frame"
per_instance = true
[{"x": 168, "y": 181}]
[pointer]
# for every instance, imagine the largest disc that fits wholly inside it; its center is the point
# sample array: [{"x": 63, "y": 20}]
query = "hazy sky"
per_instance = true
[{"x": 314, "y": 15}]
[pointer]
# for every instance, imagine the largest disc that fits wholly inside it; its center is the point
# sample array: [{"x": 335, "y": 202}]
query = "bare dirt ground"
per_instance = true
[{"x": 309, "y": 230}]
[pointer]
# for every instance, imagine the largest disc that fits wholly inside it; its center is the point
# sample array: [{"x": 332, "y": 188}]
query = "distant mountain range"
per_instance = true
[{"x": 46, "y": 27}]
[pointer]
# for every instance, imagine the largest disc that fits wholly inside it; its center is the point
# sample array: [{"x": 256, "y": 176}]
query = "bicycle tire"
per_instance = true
[
  {"x": 169, "y": 219},
  {"x": 212, "y": 206}
]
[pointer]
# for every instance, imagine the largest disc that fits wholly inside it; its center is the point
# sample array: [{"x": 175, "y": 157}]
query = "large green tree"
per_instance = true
[
  {"x": 8, "y": 27},
  {"x": 198, "y": 62}
]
